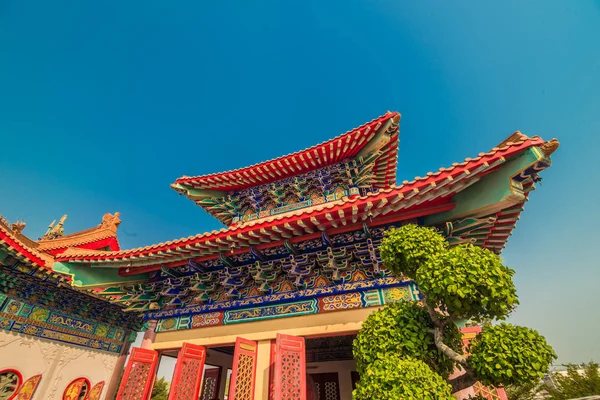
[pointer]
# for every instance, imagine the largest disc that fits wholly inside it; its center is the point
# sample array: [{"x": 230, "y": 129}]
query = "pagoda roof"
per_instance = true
[
  {"x": 103, "y": 235},
  {"x": 344, "y": 147},
  {"x": 41, "y": 253},
  {"x": 425, "y": 195},
  {"x": 23, "y": 248}
]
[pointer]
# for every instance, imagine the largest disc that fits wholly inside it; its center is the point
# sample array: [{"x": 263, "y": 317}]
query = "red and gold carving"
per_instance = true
[
  {"x": 96, "y": 391},
  {"x": 28, "y": 388},
  {"x": 76, "y": 388}
]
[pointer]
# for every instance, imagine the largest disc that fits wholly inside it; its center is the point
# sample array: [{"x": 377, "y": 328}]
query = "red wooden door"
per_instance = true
[
  {"x": 326, "y": 386},
  {"x": 210, "y": 383},
  {"x": 290, "y": 368},
  {"x": 138, "y": 378},
  {"x": 243, "y": 376},
  {"x": 188, "y": 372}
]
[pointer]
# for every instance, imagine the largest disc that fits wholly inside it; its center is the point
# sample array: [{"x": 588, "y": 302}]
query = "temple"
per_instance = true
[{"x": 268, "y": 306}]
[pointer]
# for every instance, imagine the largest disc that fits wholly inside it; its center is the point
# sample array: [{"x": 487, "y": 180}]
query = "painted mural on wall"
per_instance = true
[{"x": 18, "y": 316}]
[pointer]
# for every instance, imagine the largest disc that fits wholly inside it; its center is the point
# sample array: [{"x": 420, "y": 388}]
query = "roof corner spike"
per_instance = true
[
  {"x": 379, "y": 140},
  {"x": 550, "y": 147}
]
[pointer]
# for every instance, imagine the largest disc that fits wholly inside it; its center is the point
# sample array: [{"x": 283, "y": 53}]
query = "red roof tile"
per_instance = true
[
  {"x": 432, "y": 182},
  {"x": 343, "y": 147}
]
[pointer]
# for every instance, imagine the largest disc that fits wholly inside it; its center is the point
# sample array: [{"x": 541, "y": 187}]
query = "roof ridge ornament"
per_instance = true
[
  {"x": 549, "y": 147},
  {"x": 17, "y": 227},
  {"x": 55, "y": 231},
  {"x": 110, "y": 221}
]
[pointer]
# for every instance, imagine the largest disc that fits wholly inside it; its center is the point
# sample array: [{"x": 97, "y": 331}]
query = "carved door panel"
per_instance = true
[
  {"x": 138, "y": 378},
  {"x": 210, "y": 383},
  {"x": 188, "y": 372},
  {"x": 243, "y": 375},
  {"x": 326, "y": 386},
  {"x": 290, "y": 368}
]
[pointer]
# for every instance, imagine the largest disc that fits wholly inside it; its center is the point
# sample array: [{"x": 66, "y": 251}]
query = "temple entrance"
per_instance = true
[
  {"x": 292, "y": 367},
  {"x": 330, "y": 367}
]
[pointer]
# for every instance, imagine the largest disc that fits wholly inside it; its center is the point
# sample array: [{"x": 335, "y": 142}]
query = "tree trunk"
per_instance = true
[{"x": 464, "y": 381}]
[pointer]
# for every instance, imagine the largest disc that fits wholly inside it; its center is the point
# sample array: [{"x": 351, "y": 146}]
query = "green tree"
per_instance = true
[
  {"x": 458, "y": 283},
  {"x": 393, "y": 377},
  {"x": 160, "y": 391},
  {"x": 579, "y": 381},
  {"x": 527, "y": 391}
]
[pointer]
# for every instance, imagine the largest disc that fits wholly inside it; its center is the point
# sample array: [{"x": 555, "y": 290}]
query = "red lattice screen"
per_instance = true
[
  {"x": 290, "y": 368},
  {"x": 138, "y": 378},
  {"x": 188, "y": 372},
  {"x": 244, "y": 370}
]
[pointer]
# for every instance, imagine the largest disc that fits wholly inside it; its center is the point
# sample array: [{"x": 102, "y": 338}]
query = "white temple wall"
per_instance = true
[{"x": 59, "y": 363}]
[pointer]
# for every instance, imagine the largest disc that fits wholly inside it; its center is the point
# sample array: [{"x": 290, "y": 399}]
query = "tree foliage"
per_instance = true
[
  {"x": 402, "y": 329},
  {"x": 525, "y": 391},
  {"x": 579, "y": 381},
  {"x": 160, "y": 391},
  {"x": 510, "y": 355},
  {"x": 458, "y": 283},
  {"x": 394, "y": 377},
  {"x": 468, "y": 282},
  {"x": 405, "y": 250}
]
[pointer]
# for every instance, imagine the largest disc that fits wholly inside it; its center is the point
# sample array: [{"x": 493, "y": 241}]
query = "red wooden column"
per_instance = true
[
  {"x": 113, "y": 385},
  {"x": 188, "y": 372},
  {"x": 139, "y": 375},
  {"x": 243, "y": 376},
  {"x": 290, "y": 368},
  {"x": 149, "y": 335}
]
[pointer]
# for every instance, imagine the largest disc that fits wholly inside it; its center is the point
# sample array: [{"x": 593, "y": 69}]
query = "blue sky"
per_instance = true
[{"x": 103, "y": 105}]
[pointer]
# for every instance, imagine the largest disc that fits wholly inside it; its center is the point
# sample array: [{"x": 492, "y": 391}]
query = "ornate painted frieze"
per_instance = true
[
  {"x": 20, "y": 317},
  {"x": 401, "y": 291},
  {"x": 277, "y": 298}
]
